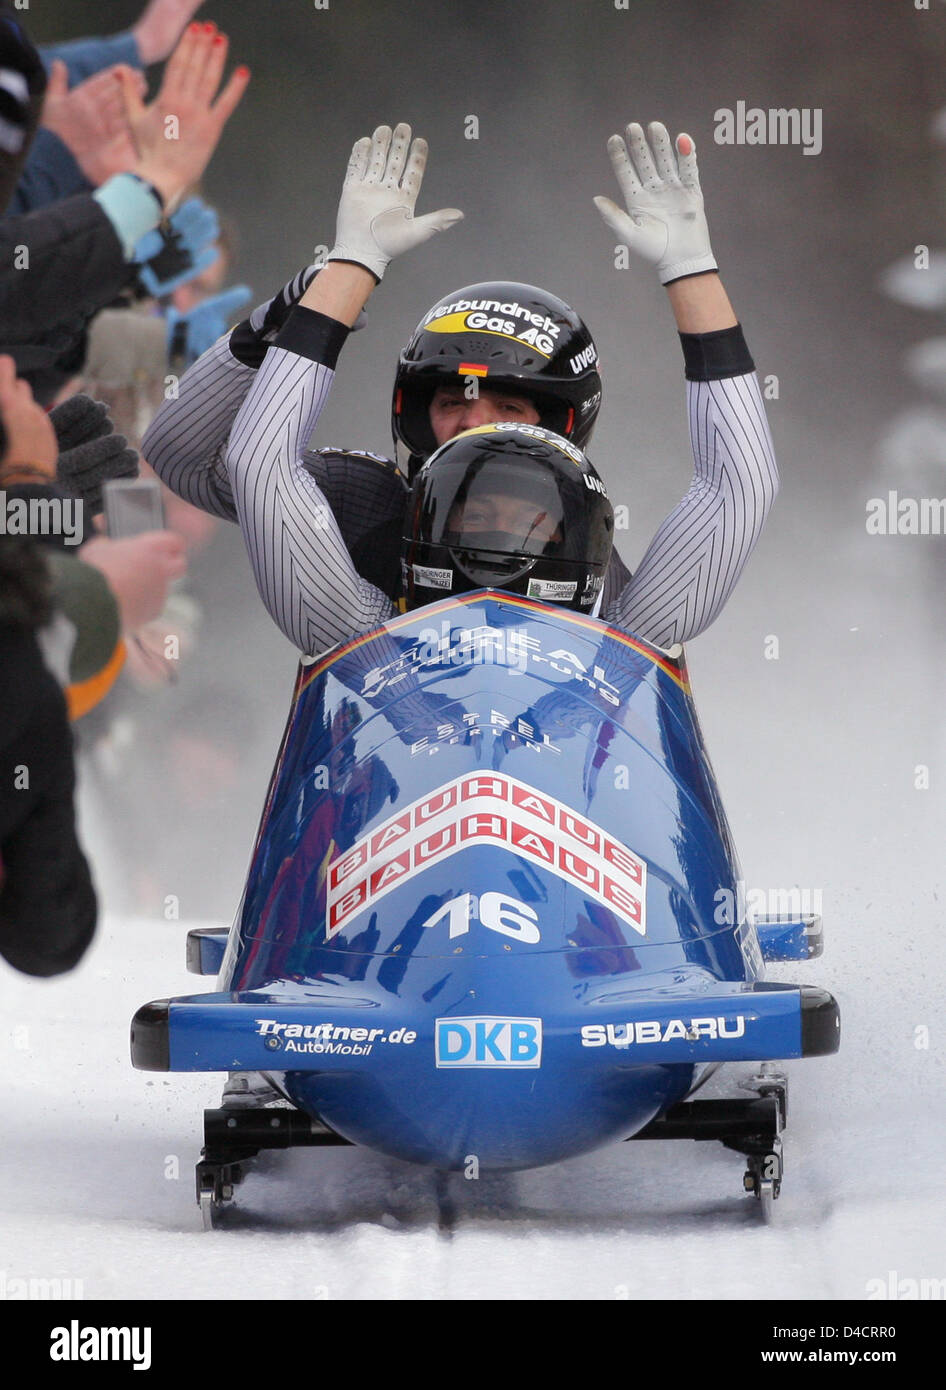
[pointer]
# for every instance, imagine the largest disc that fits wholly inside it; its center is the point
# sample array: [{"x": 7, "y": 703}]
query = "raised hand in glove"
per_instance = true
[
  {"x": 169, "y": 257},
  {"x": 664, "y": 221},
  {"x": 90, "y": 452},
  {"x": 376, "y": 219}
]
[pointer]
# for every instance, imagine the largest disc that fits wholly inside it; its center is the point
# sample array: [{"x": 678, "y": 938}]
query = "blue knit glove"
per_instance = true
[
  {"x": 191, "y": 334},
  {"x": 168, "y": 257}
]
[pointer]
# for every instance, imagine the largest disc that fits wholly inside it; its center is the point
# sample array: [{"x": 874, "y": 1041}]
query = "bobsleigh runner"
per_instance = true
[{"x": 483, "y": 918}]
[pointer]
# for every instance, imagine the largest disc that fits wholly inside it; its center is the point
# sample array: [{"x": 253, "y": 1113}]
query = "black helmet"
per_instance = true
[
  {"x": 511, "y": 337},
  {"x": 508, "y": 506}
]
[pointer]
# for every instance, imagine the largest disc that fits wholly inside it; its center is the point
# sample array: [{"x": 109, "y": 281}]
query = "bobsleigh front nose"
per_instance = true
[
  {"x": 521, "y": 1118},
  {"x": 511, "y": 1091}
]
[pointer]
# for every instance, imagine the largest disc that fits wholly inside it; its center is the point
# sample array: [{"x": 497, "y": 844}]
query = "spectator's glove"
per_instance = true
[
  {"x": 191, "y": 334},
  {"x": 90, "y": 452},
  {"x": 376, "y": 219},
  {"x": 170, "y": 256},
  {"x": 79, "y": 419},
  {"x": 664, "y": 221}
]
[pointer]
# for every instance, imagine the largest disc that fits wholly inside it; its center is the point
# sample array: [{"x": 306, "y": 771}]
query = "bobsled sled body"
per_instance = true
[{"x": 490, "y": 912}]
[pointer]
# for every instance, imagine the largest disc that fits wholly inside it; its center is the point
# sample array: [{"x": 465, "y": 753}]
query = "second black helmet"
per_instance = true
[{"x": 508, "y": 506}]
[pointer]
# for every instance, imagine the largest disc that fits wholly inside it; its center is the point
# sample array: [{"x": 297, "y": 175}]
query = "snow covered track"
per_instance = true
[{"x": 97, "y": 1176}]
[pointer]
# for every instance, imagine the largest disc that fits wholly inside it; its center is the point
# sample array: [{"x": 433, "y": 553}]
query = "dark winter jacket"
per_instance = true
[
  {"x": 58, "y": 268},
  {"x": 47, "y": 902}
]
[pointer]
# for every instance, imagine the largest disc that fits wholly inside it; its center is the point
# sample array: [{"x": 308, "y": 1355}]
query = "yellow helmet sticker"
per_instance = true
[{"x": 477, "y": 321}]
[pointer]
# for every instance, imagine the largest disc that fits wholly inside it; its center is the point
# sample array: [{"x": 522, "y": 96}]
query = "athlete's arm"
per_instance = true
[
  {"x": 186, "y": 442},
  {"x": 695, "y": 559},
  {"x": 697, "y": 555},
  {"x": 700, "y": 304},
  {"x": 303, "y": 571}
]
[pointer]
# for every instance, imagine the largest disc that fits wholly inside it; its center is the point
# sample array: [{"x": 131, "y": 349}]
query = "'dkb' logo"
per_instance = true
[{"x": 489, "y": 1042}]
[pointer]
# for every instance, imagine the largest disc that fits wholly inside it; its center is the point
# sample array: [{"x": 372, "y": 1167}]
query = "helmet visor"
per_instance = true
[{"x": 497, "y": 505}]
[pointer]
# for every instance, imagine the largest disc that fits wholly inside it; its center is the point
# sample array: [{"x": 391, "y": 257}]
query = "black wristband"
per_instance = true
[
  {"x": 248, "y": 346},
  {"x": 712, "y": 356},
  {"x": 311, "y": 334}
]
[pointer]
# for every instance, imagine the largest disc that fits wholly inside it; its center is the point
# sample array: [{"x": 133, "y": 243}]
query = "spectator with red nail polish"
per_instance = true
[
  {"x": 80, "y": 114},
  {"x": 81, "y": 250}
]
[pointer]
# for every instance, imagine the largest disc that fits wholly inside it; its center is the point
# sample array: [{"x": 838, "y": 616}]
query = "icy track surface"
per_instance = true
[{"x": 97, "y": 1182}]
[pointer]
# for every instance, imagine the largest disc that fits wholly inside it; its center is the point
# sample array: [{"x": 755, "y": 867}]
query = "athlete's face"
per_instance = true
[
  {"x": 497, "y": 512},
  {"x": 451, "y": 413}
]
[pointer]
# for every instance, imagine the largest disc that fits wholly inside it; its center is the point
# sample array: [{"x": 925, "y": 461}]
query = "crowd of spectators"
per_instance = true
[{"x": 111, "y": 270}]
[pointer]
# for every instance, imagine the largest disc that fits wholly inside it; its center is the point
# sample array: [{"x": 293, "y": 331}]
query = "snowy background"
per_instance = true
[{"x": 822, "y": 754}]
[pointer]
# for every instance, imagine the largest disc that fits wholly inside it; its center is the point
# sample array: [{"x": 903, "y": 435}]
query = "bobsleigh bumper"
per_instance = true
[{"x": 744, "y": 1021}]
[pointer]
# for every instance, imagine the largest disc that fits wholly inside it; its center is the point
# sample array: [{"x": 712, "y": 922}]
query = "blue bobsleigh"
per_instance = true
[{"x": 492, "y": 913}]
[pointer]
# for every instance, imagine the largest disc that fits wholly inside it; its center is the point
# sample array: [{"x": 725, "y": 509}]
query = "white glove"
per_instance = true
[
  {"x": 376, "y": 219},
  {"x": 664, "y": 221}
]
